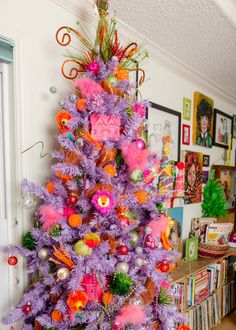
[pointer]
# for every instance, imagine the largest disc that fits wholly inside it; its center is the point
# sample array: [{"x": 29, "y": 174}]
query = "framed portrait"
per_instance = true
[
  {"x": 185, "y": 134},
  {"x": 164, "y": 122},
  {"x": 191, "y": 249},
  {"x": 187, "y": 104},
  {"x": 206, "y": 160},
  {"x": 223, "y": 129},
  {"x": 202, "y": 120},
  {"x": 234, "y": 126},
  {"x": 193, "y": 176},
  {"x": 205, "y": 176}
]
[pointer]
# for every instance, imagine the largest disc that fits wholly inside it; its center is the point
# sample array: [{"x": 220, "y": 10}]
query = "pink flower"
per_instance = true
[{"x": 103, "y": 201}]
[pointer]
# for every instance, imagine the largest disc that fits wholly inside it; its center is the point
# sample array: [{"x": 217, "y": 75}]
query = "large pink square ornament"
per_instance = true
[{"x": 105, "y": 127}]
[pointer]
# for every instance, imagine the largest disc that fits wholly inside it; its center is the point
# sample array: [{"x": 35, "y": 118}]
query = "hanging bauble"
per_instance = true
[
  {"x": 12, "y": 260},
  {"x": 28, "y": 201},
  {"x": 93, "y": 67},
  {"x": 123, "y": 249},
  {"x": 72, "y": 199},
  {"x": 164, "y": 267},
  {"x": 139, "y": 250},
  {"x": 140, "y": 144},
  {"x": 107, "y": 298},
  {"x": 43, "y": 254},
  {"x": 75, "y": 220},
  {"x": 73, "y": 97},
  {"x": 120, "y": 284},
  {"x": 53, "y": 90},
  {"x": 82, "y": 249},
  {"x": 63, "y": 273},
  {"x": 56, "y": 316},
  {"x": 27, "y": 308},
  {"x": 122, "y": 267},
  {"x": 55, "y": 231},
  {"x": 150, "y": 242},
  {"x": 134, "y": 237},
  {"x": 139, "y": 262},
  {"x": 92, "y": 240}
]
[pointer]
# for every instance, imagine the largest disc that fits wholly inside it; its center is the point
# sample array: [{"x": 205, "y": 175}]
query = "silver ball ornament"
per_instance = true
[
  {"x": 122, "y": 267},
  {"x": 63, "y": 273},
  {"x": 53, "y": 90},
  {"x": 139, "y": 250},
  {"x": 148, "y": 230},
  {"x": 73, "y": 97},
  {"x": 43, "y": 254},
  {"x": 62, "y": 103},
  {"x": 139, "y": 262},
  {"x": 28, "y": 201}
]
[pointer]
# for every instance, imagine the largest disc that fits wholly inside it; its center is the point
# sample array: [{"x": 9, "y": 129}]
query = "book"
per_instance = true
[
  {"x": 201, "y": 289},
  {"x": 198, "y": 227}
]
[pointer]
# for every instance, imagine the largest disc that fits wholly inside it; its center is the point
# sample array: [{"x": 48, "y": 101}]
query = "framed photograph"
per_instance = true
[
  {"x": 191, "y": 249},
  {"x": 205, "y": 176},
  {"x": 234, "y": 126},
  {"x": 187, "y": 103},
  {"x": 206, "y": 160},
  {"x": 185, "y": 134},
  {"x": 202, "y": 120},
  {"x": 164, "y": 122},
  {"x": 223, "y": 129},
  {"x": 193, "y": 176}
]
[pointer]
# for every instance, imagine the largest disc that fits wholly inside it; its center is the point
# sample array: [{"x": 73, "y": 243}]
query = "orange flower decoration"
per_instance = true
[
  {"x": 62, "y": 119},
  {"x": 141, "y": 196},
  {"x": 81, "y": 105},
  {"x": 122, "y": 74},
  {"x": 92, "y": 240},
  {"x": 77, "y": 300}
]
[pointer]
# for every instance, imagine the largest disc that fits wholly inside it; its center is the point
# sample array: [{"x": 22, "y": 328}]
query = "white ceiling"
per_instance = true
[{"x": 200, "y": 33}]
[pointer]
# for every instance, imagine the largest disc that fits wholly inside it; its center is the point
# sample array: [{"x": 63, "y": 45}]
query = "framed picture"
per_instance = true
[
  {"x": 185, "y": 134},
  {"x": 205, "y": 176},
  {"x": 193, "y": 177},
  {"x": 206, "y": 160},
  {"x": 202, "y": 120},
  {"x": 187, "y": 108},
  {"x": 191, "y": 249},
  {"x": 223, "y": 129},
  {"x": 164, "y": 122},
  {"x": 234, "y": 126}
]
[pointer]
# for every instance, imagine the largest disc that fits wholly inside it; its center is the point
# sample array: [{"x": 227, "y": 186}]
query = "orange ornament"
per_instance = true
[
  {"x": 107, "y": 298},
  {"x": 75, "y": 220},
  {"x": 56, "y": 315},
  {"x": 81, "y": 105},
  {"x": 141, "y": 196},
  {"x": 122, "y": 74},
  {"x": 50, "y": 187},
  {"x": 110, "y": 170}
]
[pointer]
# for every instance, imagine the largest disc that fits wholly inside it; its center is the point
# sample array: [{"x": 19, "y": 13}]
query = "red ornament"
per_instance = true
[
  {"x": 164, "y": 267},
  {"x": 72, "y": 200},
  {"x": 93, "y": 67},
  {"x": 180, "y": 165},
  {"x": 26, "y": 309},
  {"x": 123, "y": 249},
  {"x": 12, "y": 260}
]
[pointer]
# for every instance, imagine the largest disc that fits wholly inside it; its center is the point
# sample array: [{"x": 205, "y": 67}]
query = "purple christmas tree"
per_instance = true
[{"x": 99, "y": 250}]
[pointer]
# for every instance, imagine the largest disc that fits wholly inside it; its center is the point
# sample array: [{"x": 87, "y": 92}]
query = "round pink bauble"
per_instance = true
[
  {"x": 140, "y": 144},
  {"x": 93, "y": 67}
]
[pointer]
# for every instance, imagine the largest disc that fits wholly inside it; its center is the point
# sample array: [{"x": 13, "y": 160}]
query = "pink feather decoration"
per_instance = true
[
  {"x": 158, "y": 226},
  {"x": 135, "y": 158},
  {"x": 87, "y": 87},
  {"x": 133, "y": 314},
  {"x": 49, "y": 216}
]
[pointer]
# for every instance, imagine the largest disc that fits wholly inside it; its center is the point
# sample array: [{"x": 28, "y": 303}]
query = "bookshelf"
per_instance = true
[{"x": 216, "y": 277}]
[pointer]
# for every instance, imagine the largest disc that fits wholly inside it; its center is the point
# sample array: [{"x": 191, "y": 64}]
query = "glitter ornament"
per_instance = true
[
  {"x": 26, "y": 309},
  {"x": 122, "y": 267},
  {"x": 12, "y": 260},
  {"x": 82, "y": 249},
  {"x": 28, "y": 201},
  {"x": 140, "y": 144},
  {"x": 53, "y": 90},
  {"x": 139, "y": 250},
  {"x": 122, "y": 249},
  {"x": 72, "y": 199},
  {"x": 62, "y": 103},
  {"x": 63, "y": 273},
  {"x": 93, "y": 67},
  {"x": 73, "y": 97},
  {"x": 43, "y": 254}
]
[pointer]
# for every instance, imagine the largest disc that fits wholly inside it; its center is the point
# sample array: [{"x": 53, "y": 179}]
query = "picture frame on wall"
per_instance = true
[
  {"x": 205, "y": 176},
  {"x": 206, "y": 160},
  {"x": 163, "y": 122},
  {"x": 202, "y": 120},
  {"x": 223, "y": 129},
  {"x": 191, "y": 249},
  {"x": 187, "y": 105},
  {"x": 234, "y": 126},
  {"x": 185, "y": 134}
]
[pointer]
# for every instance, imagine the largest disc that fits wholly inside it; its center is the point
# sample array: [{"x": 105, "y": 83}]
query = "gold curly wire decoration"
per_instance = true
[
  {"x": 132, "y": 44},
  {"x": 73, "y": 73},
  {"x": 66, "y": 35},
  {"x": 141, "y": 80},
  {"x": 42, "y": 149}
]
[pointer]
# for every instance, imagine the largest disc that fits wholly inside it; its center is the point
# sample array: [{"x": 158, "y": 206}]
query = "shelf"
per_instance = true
[{"x": 185, "y": 269}]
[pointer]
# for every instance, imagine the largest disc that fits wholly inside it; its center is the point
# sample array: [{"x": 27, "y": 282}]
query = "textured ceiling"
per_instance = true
[{"x": 200, "y": 33}]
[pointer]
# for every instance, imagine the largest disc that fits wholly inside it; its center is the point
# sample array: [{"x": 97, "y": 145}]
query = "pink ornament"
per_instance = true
[
  {"x": 105, "y": 127},
  {"x": 140, "y": 144},
  {"x": 92, "y": 287},
  {"x": 68, "y": 211},
  {"x": 103, "y": 201},
  {"x": 140, "y": 109},
  {"x": 93, "y": 67},
  {"x": 117, "y": 326},
  {"x": 150, "y": 242}
]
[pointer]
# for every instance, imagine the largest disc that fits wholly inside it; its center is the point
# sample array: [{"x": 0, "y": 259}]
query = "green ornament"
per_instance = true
[
  {"x": 82, "y": 249},
  {"x": 55, "y": 231},
  {"x": 28, "y": 242},
  {"x": 164, "y": 297},
  {"x": 119, "y": 158},
  {"x": 120, "y": 284},
  {"x": 160, "y": 207}
]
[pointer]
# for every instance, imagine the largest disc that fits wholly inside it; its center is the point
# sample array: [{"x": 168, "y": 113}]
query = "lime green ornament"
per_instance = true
[
  {"x": 164, "y": 297},
  {"x": 120, "y": 284},
  {"x": 82, "y": 249},
  {"x": 28, "y": 242}
]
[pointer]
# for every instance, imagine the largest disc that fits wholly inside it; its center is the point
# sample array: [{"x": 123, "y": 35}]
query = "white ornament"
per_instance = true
[
  {"x": 28, "y": 201},
  {"x": 122, "y": 267},
  {"x": 63, "y": 273},
  {"x": 139, "y": 250},
  {"x": 43, "y": 254},
  {"x": 148, "y": 230}
]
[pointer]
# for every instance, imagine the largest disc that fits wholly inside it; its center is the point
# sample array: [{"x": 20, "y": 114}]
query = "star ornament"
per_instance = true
[{"x": 103, "y": 201}]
